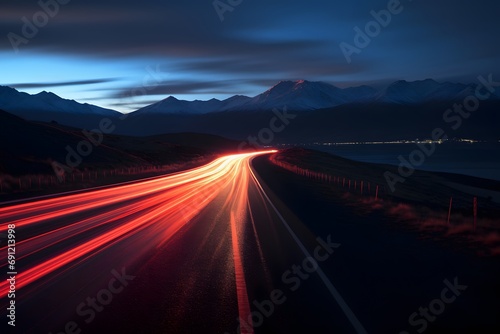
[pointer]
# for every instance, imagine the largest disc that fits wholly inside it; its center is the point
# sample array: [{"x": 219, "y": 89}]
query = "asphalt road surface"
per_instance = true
[{"x": 224, "y": 248}]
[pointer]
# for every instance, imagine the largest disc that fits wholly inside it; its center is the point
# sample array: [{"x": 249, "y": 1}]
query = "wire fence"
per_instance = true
[{"x": 377, "y": 192}]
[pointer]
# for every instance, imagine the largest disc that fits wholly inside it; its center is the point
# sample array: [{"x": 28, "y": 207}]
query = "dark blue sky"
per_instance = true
[{"x": 123, "y": 54}]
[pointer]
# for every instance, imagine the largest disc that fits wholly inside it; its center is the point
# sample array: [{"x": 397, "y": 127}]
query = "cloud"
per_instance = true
[
  {"x": 261, "y": 42},
  {"x": 60, "y": 84},
  {"x": 178, "y": 88}
]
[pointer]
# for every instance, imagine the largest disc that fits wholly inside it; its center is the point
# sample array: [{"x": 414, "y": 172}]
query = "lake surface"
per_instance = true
[{"x": 478, "y": 159}]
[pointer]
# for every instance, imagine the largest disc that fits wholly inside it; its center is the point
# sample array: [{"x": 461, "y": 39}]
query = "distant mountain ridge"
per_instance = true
[
  {"x": 24, "y": 104},
  {"x": 173, "y": 105},
  {"x": 298, "y": 95},
  {"x": 301, "y": 95},
  {"x": 404, "y": 92},
  {"x": 403, "y": 110},
  {"x": 306, "y": 95}
]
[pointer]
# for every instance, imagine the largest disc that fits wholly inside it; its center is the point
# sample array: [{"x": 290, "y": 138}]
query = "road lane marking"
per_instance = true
[
  {"x": 328, "y": 284},
  {"x": 241, "y": 286}
]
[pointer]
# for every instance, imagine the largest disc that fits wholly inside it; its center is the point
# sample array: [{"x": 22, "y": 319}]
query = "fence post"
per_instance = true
[
  {"x": 475, "y": 214},
  {"x": 449, "y": 210}
]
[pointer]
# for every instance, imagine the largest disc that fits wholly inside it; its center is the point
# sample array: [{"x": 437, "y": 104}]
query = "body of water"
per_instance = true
[{"x": 477, "y": 159}]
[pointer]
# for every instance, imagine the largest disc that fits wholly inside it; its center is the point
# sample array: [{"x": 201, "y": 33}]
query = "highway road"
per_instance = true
[
  {"x": 236, "y": 246},
  {"x": 205, "y": 250}
]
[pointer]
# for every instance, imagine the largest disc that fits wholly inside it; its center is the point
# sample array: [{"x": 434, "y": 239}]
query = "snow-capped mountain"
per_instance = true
[
  {"x": 299, "y": 95},
  {"x": 22, "y": 104},
  {"x": 306, "y": 95},
  {"x": 404, "y": 92}
]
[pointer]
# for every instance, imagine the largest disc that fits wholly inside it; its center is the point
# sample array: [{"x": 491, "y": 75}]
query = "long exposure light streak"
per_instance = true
[{"x": 56, "y": 233}]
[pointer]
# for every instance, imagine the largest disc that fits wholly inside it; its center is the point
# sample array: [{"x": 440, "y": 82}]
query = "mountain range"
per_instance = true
[
  {"x": 322, "y": 113},
  {"x": 23, "y": 104},
  {"x": 305, "y": 95},
  {"x": 299, "y": 95}
]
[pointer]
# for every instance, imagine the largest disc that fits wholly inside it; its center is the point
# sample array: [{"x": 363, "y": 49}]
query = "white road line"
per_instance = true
[{"x": 333, "y": 291}]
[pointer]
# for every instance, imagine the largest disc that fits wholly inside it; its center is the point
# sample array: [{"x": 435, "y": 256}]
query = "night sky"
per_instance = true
[{"x": 124, "y": 54}]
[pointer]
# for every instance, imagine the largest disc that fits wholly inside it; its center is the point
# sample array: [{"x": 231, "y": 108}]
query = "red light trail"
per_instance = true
[{"x": 56, "y": 233}]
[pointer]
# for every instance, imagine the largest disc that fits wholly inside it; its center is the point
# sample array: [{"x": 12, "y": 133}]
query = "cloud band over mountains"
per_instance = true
[{"x": 259, "y": 42}]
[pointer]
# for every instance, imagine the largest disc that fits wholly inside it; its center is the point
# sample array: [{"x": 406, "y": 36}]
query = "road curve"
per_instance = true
[{"x": 202, "y": 250}]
